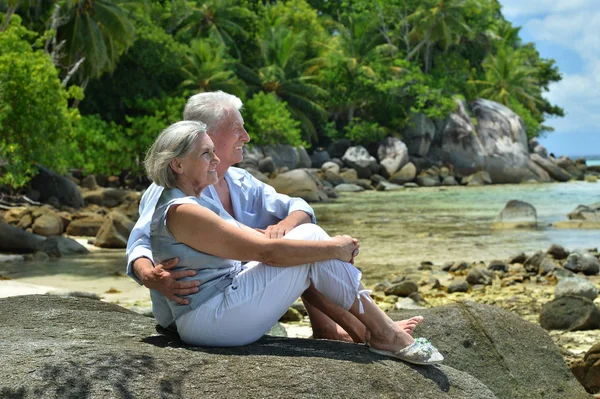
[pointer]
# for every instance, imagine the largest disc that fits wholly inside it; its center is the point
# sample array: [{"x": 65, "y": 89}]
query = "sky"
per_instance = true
[{"x": 569, "y": 32}]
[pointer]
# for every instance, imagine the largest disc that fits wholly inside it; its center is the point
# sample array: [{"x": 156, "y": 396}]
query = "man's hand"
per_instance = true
[
  {"x": 163, "y": 280},
  {"x": 278, "y": 230}
]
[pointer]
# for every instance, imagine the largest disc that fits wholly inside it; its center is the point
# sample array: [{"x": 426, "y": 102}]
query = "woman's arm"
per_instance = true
[{"x": 205, "y": 231}]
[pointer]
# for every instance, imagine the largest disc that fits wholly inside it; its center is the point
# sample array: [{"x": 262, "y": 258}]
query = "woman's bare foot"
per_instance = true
[
  {"x": 340, "y": 334},
  {"x": 391, "y": 339},
  {"x": 407, "y": 325}
]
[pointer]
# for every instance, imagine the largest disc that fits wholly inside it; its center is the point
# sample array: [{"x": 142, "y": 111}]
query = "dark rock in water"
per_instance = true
[
  {"x": 81, "y": 348},
  {"x": 585, "y": 263},
  {"x": 13, "y": 239},
  {"x": 513, "y": 357},
  {"x": 449, "y": 181},
  {"x": 517, "y": 214},
  {"x": 555, "y": 171},
  {"x": 477, "y": 179},
  {"x": 50, "y": 184},
  {"x": 319, "y": 157},
  {"x": 570, "y": 166},
  {"x": 557, "y": 252},
  {"x": 570, "y": 313},
  {"x": 576, "y": 286},
  {"x": 458, "y": 286},
  {"x": 588, "y": 370},
  {"x": 428, "y": 181},
  {"x": 479, "y": 275},
  {"x": 403, "y": 288},
  {"x": 58, "y": 246}
]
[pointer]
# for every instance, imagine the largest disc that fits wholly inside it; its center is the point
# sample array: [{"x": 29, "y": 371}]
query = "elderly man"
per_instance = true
[{"x": 249, "y": 201}]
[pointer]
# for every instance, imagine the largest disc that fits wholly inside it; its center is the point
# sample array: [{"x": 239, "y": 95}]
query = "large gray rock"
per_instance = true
[
  {"x": 513, "y": 357},
  {"x": 392, "y": 154},
  {"x": 570, "y": 313},
  {"x": 359, "y": 159},
  {"x": 555, "y": 171},
  {"x": 13, "y": 239},
  {"x": 584, "y": 262},
  {"x": 497, "y": 144},
  {"x": 299, "y": 183},
  {"x": 517, "y": 214},
  {"x": 51, "y": 185},
  {"x": 283, "y": 155},
  {"x": 64, "y": 347},
  {"x": 418, "y": 135},
  {"x": 406, "y": 174},
  {"x": 319, "y": 157}
]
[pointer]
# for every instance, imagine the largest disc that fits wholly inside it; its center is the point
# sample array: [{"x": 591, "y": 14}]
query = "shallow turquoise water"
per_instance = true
[{"x": 400, "y": 229}]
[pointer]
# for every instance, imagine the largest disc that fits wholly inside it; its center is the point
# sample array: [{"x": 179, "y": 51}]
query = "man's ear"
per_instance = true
[{"x": 175, "y": 164}]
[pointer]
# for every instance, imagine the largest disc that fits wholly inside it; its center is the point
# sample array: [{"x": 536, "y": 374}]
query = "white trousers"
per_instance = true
[{"x": 261, "y": 294}]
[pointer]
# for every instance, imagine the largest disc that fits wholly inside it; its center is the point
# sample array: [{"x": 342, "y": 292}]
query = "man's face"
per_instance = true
[{"x": 229, "y": 137}]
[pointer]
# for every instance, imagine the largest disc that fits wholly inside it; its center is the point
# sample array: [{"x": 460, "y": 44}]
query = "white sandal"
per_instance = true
[{"x": 419, "y": 352}]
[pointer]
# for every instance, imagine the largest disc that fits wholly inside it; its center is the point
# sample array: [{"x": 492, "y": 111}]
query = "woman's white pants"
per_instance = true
[{"x": 261, "y": 294}]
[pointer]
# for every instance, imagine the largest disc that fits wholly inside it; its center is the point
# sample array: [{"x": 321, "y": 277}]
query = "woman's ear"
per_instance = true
[{"x": 176, "y": 166}]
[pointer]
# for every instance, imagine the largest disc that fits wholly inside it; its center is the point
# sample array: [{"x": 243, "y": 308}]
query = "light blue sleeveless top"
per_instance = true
[{"x": 214, "y": 273}]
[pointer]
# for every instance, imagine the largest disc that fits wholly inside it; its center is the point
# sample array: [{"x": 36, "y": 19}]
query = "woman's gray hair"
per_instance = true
[
  {"x": 176, "y": 141},
  {"x": 211, "y": 108}
]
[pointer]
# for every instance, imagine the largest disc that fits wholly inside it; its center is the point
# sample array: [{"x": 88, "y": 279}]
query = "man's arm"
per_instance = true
[
  {"x": 294, "y": 219},
  {"x": 139, "y": 256}
]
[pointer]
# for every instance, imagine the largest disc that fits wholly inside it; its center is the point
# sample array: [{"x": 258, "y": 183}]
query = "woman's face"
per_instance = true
[{"x": 197, "y": 170}]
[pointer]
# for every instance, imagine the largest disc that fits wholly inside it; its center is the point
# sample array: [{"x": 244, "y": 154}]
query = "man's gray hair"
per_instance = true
[
  {"x": 176, "y": 141},
  {"x": 211, "y": 107}
]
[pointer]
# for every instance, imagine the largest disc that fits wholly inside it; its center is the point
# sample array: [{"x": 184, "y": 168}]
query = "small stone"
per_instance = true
[
  {"x": 498, "y": 265},
  {"x": 458, "y": 286},
  {"x": 403, "y": 288},
  {"x": 518, "y": 258},
  {"x": 290, "y": 316},
  {"x": 532, "y": 264},
  {"x": 479, "y": 275},
  {"x": 547, "y": 266},
  {"x": 585, "y": 263},
  {"x": 570, "y": 313},
  {"x": 557, "y": 252}
]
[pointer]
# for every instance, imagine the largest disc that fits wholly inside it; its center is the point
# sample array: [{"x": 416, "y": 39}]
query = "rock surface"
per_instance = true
[
  {"x": 77, "y": 348},
  {"x": 52, "y": 185},
  {"x": 570, "y": 313},
  {"x": 514, "y": 358}
]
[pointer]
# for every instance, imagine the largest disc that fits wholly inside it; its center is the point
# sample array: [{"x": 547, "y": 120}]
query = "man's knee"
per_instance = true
[{"x": 307, "y": 231}]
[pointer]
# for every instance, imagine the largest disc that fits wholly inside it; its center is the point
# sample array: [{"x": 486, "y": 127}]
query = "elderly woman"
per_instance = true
[{"x": 235, "y": 304}]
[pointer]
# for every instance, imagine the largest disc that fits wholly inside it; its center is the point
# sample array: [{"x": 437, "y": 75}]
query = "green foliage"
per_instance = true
[
  {"x": 365, "y": 133},
  {"x": 268, "y": 121},
  {"x": 99, "y": 147},
  {"x": 35, "y": 121}
]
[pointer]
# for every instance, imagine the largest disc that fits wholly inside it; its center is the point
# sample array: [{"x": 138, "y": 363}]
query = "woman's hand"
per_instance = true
[{"x": 347, "y": 247}]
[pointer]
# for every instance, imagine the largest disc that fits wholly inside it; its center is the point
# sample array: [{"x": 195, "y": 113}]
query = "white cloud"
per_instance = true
[
  {"x": 573, "y": 25},
  {"x": 519, "y": 8}
]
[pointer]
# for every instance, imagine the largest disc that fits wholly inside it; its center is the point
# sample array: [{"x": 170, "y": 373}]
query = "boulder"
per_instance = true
[
  {"x": 319, "y": 157},
  {"x": 555, "y": 171},
  {"x": 82, "y": 348},
  {"x": 114, "y": 231},
  {"x": 427, "y": 181},
  {"x": 331, "y": 166},
  {"x": 576, "y": 286},
  {"x": 384, "y": 185},
  {"x": 587, "y": 371},
  {"x": 57, "y": 246},
  {"x": 585, "y": 263},
  {"x": 283, "y": 155},
  {"x": 570, "y": 166},
  {"x": 349, "y": 175},
  {"x": 547, "y": 266},
  {"x": 87, "y": 226},
  {"x": 497, "y": 144},
  {"x": 252, "y": 154},
  {"x": 304, "y": 160},
  {"x": 479, "y": 275},
  {"x": 557, "y": 252},
  {"x": 51, "y": 185},
  {"x": 13, "y": 239},
  {"x": 90, "y": 183},
  {"x": 359, "y": 159},
  {"x": 570, "y": 313},
  {"x": 532, "y": 264},
  {"x": 392, "y": 154},
  {"x": 406, "y": 174},
  {"x": 517, "y": 214},
  {"x": 499, "y": 348},
  {"x": 330, "y": 176},
  {"x": 403, "y": 288},
  {"x": 48, "y": 224},
  {"x": 418, "y": 134},
  {"x": 586, "y": 212},
  {"x": 458, "y": 286},
  {"x": 338, "y": 148},
  {"x": 266, "y": 165},
  {"x": 477, "y": 179},
  {"x": 299, "y": 183},
  {"x": 449, "y": 181}
]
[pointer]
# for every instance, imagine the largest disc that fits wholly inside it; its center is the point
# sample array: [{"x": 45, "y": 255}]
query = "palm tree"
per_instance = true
[
  {"x": 508, "y": 76},
  {"x": 438, "y": 23},
  {"x": 219, "y": 19},
  {"x": 96, "y": 31},
  {"x": 287, "y": 74},
  {"x": 209, "y": 68}
]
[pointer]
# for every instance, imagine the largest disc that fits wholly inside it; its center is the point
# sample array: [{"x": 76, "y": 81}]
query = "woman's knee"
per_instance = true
[{"x": 307, "y": 231}]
